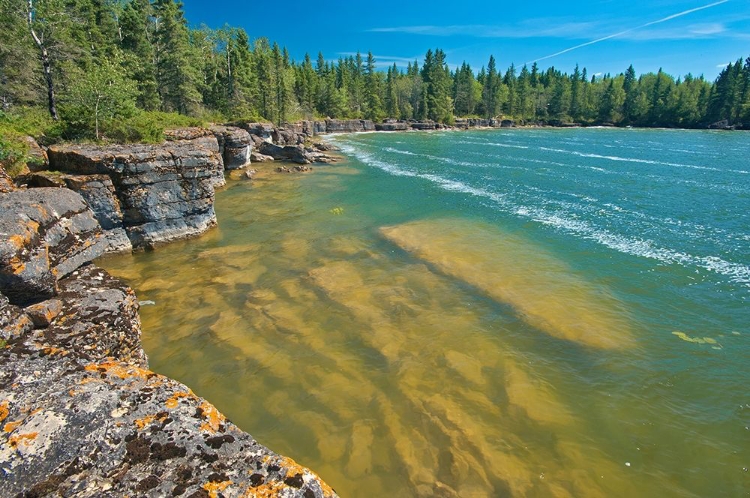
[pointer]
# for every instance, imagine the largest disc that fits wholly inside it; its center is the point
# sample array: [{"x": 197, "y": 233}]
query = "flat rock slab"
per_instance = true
[
  {"x": 81, "y": 414},
  {"x": 112, "y": 428}
]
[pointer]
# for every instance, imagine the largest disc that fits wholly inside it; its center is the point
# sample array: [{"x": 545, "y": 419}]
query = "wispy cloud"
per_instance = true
[
  {"x": 691, "y": 32},
  {"x": 627, "y": 31},
  {"x": 530, "y": 28}
]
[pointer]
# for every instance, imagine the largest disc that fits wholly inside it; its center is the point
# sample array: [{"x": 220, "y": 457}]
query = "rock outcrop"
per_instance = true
[
  {"x": 45, "y": 234},
  {"x": 235, "y": 146},
  {"x": 81, "y": 414},
  {"x": 348, "y": 125},
  {"x": 392, "y": 125},
  {"x": 165, "y": 192}
]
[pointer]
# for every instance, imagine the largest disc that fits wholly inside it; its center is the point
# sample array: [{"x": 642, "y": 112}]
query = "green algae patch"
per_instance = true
[
  {"x": 544, "y": 291},
  {"x": 697, "y": 340}
]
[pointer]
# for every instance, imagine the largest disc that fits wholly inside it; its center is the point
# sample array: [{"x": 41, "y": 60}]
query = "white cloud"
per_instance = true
[
  {"x": 631, "y": 30},
  {"x": 530, "y": 28}
]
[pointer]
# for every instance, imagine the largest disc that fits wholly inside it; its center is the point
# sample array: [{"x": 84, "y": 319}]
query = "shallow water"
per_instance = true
[{"x": 486, "y": 313}]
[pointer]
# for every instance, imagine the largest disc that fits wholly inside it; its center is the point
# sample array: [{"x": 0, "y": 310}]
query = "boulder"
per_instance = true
[
  {"x": 166, "y": 192},
  {"x": 293, "y": 153},
  {"x": 257, "y": 157},
  {"x": 46, "y": 233},
  {"x": 283, "y": 136},
  {"x": 235, "y": 146},
  {"x": 261, "y": 130}
]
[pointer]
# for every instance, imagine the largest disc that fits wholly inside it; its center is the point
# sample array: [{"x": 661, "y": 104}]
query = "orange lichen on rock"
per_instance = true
[
  {"x": 23, "y": 439},
  {"x": 295, "y": 468},
  {"x": 11, "y": 426},
  {"x": 215, "y": 488},
  {"x": 117, "y": 369},
  {"x": 270, "y": 489},
  {"x": 4, "y": 410},
  {"x": 213, "y": 417},
  {"x": 141, "y": 423},
  {"x": 174, "y": 400}
]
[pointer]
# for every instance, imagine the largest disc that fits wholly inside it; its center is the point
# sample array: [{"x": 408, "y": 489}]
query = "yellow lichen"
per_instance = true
[
  {"x": 117, "y": 369},
  {"x": 174, "y": 400},
  {"x": 213, "y": 417},
  {"x": 4, "y": 410},
  {"x": 24, "y": 439},
  {"x": 214, "y": 488},
  {"x": 11, "y": 426}
]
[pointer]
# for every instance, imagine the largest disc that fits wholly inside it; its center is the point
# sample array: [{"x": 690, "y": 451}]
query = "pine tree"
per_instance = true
[
  {"x": 373, "y": 102},
  {"x": 178, "y": 69},
  {"x": 490, "y": 90},
  {"x": 137, "y": 34},
  {"x": 630, "y": 86}
]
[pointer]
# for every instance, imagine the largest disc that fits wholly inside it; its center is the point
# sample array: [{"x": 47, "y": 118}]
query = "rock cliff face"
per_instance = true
[
  {"x": 81, "y": 414},
  {"x": 45, "y": 234},
  {"x": 165, "y": 192},
  {"x": 235, "y": 146}
]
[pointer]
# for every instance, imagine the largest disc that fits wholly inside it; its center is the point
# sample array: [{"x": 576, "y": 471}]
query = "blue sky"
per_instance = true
[{"x": 605, "y": 36}]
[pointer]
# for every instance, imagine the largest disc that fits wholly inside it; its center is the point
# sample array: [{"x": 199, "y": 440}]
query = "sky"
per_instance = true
[{"x": 604, "y": 36}]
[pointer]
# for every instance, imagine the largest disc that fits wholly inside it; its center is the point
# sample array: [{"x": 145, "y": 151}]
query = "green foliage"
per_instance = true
[
  {"x": 148, "y": 126},
  {"x": 104, "y": 60},
  {"x": 97, "y": 98}
]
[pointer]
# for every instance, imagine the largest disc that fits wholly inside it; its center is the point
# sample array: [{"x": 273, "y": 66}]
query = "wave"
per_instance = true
[
  {"x": 639, "y": 247},
  {"x": 643, "y": 161}
]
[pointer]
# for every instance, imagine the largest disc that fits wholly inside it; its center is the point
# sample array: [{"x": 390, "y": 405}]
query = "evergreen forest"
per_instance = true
[{"x": 120, "y": 69}]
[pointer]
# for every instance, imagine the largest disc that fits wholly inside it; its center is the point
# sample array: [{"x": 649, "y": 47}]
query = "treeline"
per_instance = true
[{"x": 96, "y": 63}]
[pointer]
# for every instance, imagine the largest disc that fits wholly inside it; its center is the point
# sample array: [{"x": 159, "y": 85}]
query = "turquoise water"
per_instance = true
[{"x": 486, "y": 313}]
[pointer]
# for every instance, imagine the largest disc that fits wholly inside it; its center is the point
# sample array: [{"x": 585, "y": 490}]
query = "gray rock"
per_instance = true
[
  {"x": 99, "y": 193},
  {"x": 257, "y": 157},
  {"x": 165, "y": 192},
  {"x": 235, "y": 146},
  {"x": 423, "y": 125},
  {"x": 43, "y": 313},
  {"x": 14, "y": 323},
  {"x": 392, "y": 126},
  {"x": 293, "y": 153},
  {"x": 46, "y": 233},
  {"x": 349, "y": 125},
  {"x": 83, "y": 416}
]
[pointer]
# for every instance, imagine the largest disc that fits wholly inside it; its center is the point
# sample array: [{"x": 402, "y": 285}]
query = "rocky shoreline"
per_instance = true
[{"x": 81, "y": 414}]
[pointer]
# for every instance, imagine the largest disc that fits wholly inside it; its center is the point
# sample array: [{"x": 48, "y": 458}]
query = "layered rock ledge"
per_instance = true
[
  {"x": 163, "y": 192},
  {"x": 81, "y": 414}
]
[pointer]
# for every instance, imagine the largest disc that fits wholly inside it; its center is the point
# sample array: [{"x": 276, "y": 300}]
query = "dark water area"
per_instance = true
[{"x": 485, "y": 313}]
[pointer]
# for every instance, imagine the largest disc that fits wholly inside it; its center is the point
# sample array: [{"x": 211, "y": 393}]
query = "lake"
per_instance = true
[{"x": 532, "y": 312}]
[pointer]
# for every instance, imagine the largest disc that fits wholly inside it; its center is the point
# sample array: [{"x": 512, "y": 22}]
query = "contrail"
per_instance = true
[{"x": 668, "y": 18}]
